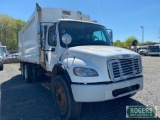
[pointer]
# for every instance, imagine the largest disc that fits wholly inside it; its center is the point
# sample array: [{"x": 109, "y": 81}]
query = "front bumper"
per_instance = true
[
  {"x": 156, "y": 54},
  {"x": 103, "y": 92},
  {"x": 142, "y": 53}
]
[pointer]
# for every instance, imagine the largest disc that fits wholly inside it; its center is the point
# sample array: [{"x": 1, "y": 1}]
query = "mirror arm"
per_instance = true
[{"x": 52, "y": 50}]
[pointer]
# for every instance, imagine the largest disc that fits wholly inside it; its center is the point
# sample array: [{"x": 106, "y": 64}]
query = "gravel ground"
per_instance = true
[{"x": 22, "y": 101}]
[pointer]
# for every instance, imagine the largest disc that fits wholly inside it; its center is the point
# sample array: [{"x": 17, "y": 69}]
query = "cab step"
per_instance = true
[
  {"x": 47, "y": 85},
  {"x": 48, "y": 74}
]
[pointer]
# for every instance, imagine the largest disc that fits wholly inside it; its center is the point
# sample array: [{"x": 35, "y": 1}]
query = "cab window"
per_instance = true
[{"x": 52, "y": 37}]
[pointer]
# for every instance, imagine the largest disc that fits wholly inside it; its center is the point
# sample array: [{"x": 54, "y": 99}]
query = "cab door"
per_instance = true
[{"x": 50, "y": 48}]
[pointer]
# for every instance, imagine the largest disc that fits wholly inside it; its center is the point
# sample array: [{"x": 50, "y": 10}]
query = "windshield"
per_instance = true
[
  {"x": 153, "y": 49},
  {"x": 84, "y": 33}
]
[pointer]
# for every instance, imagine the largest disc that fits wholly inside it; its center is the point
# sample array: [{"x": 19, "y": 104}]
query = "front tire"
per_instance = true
[{"x": 63, "y": 99}]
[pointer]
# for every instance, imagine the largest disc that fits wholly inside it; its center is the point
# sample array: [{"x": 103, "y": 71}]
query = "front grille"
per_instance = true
[{"x": 120, "y": 69}]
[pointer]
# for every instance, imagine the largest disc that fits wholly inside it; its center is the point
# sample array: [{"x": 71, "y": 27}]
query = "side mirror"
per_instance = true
[
  {"x": 110, "y": 33},
  {"x": 134, "y": 43},
  {"x": 42, "y": 30},
  {"x": 66, "y": 39}
]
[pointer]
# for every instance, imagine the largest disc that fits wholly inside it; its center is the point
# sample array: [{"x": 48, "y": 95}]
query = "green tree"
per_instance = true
[
  {"x": 9, "y": 28},
  {"x": 129, "y": 40},
  {"x": 148, "y": 43},
  {"x": 118, "y": 43}
]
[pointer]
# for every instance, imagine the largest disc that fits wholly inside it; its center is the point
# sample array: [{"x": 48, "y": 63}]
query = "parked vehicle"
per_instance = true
[
  {"x": 143, "y": 50},
  {"x": 79, "y": 57},
  {"x": 154, "y": 50},
  {"x": 1, "y": 60},
  {"x": 4, "y": 52},
  {"x": 12, "y": 55}
]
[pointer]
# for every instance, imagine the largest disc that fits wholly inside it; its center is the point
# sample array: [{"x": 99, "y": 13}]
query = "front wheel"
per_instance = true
[{"x": 63, "y": 99}]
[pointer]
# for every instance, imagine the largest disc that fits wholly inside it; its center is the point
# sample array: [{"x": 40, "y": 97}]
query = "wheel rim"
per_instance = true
[
  {"x": 25, "y": 75},
  {"x": 60, "y": 97}
]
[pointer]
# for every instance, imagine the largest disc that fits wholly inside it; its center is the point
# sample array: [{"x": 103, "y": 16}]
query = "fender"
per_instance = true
[{"x": 60, "y": 69}]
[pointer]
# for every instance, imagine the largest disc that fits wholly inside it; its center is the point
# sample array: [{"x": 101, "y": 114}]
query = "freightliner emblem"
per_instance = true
[{"x": 125, "y": 55}]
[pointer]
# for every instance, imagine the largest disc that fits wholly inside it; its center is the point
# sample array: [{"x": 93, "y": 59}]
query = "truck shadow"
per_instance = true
[
  {"x": 26, "y": 101},
  {"x": 109, "y": 110},
  {"x": 22, "y": 101}
]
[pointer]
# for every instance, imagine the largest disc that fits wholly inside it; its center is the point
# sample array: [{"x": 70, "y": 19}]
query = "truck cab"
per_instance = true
[
  {"x": 95, "y": 70},
  {"x": 85, "y": 51}
]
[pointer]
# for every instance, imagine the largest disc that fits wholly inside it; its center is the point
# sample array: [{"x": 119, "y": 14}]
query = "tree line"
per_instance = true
[
  {"x": 9, "y": 28},
  {"x": 128, "y": 42}
]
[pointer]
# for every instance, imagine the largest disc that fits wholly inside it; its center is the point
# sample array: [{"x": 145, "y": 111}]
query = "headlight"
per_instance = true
[{"x": 84, "y": 72}]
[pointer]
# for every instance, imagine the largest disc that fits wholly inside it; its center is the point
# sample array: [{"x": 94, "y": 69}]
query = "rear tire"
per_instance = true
[
  {"x": 34, "y": 74},
  {"x": 22, "y": 70},
  {"x": 27, "y": 73},
  {"x": 63, "y": 99}
]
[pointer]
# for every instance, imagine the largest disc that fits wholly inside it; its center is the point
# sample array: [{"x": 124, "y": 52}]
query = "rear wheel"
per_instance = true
[
  {"x": 34, "y": 74},
  {"x": 63, "y": 99},
  {"x": 27, "y": 73},
  {"x": 22, "y": 69}
]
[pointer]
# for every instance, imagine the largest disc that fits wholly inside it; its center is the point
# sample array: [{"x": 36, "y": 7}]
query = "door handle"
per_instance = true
[{"x": 52, "y": 49}]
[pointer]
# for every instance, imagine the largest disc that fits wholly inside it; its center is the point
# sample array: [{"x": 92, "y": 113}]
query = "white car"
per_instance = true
[{"x": 143, "y": 52}]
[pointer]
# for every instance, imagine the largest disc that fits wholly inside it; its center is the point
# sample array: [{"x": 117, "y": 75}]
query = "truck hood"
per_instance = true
[{"x": 101, "y": 51}]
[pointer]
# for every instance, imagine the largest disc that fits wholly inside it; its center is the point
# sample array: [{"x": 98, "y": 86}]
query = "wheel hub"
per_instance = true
[{"x": 60, "y": 97}]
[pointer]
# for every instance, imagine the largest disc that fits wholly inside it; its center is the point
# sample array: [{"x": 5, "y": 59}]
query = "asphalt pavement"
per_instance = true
[{"x": 23, "y": 101}]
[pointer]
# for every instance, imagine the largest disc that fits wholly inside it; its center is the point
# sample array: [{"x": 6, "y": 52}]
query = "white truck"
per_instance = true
[
  {"x": 79, "y": 57},
  {"x": 154, "y": 50}
]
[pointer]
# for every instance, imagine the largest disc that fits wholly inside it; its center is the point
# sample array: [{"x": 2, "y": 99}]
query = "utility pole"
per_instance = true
[
  {"x": 142, "y": 34},
  {"x": 159, "y": 35}
]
